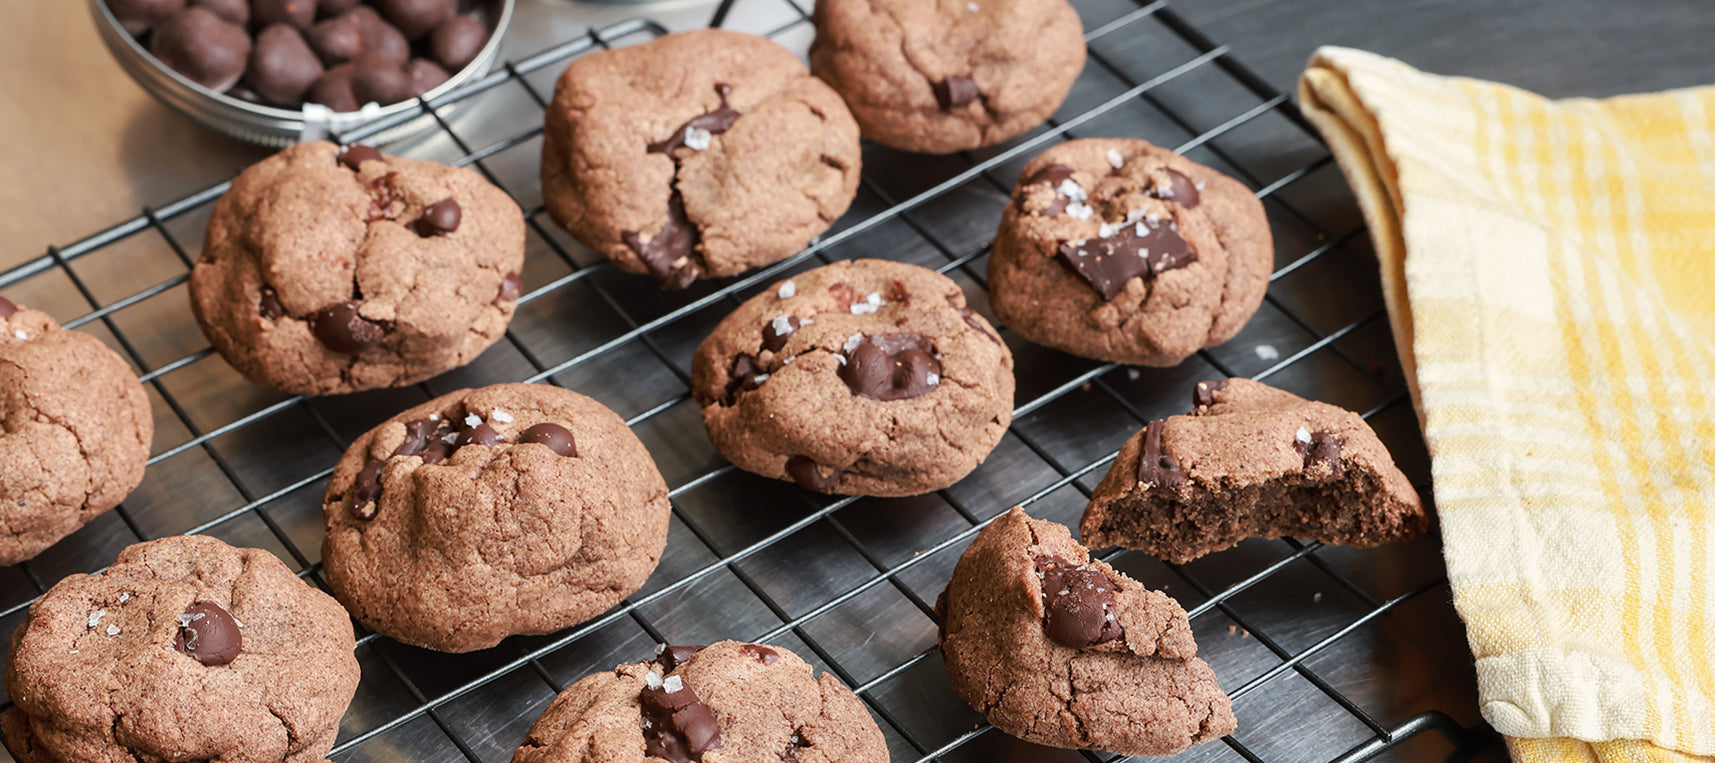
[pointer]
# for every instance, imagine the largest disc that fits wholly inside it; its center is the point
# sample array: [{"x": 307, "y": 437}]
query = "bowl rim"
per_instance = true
[{"x": 496, "y": 32}]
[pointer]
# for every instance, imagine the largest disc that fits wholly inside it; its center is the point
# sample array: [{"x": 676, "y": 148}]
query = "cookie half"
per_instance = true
[
  {"x": 749, "y": 702},
  {"x": 330, "y": 270},
  {"x": 697, "y": 154},
  {"x": 75, "y": 429},
  {"x": 937, "y": 76},
  {"x": 185, "y": 649},
  {"x": 1252, "y": 461},
  {"x": 1059, "y": 649},
  {"x": 511, "y": 509},
  {"x": 1118, "y": 250},
  {"x": 866, "y": 377}
]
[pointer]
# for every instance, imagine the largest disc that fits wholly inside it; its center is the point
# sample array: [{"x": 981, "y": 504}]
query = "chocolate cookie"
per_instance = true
[
  {"x": 1252, "y": 461},
  {"x": 866, "y": 377},
  {"x": 696, "y": 155},
  {"x": 185, "y": 649},
  {"x": 747, "y": 701},
  {"x": 1062, "y": 650},
  {"x": 330, "y": 270},
  {"x": 75, "y": 429},
  {"x": 1117, "y": 250},
  {"x": 516, "y": 508},
  {"x": 938, "y": 76}
]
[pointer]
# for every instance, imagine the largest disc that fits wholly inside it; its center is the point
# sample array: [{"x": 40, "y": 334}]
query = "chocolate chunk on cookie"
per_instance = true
[
  {"x": 1117, "y": 250},
  {"x": 866, "y": 377},
  {"x": 1252, "y": 461},
  {"x": 75, "y": 429},
  {"x": 747, "y": 701},
  {"x": 696, "y": 155},
  {"x": 329, "y": 270},
  {"x": 185, "y": 649},
  {"x": 1062, "y": 650},
  {"x": 948, "y": 75},
  {"x": 516, "y": 508}
]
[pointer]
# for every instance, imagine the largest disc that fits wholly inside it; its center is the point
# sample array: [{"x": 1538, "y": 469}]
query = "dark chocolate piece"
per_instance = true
[
  {"x": 760, "y": 653},
  {"x": 425, "y": 75},
  {"x": 1153, "y": 468},
  {"x": 455, "y": 43},
  {"x": 349, "y": 35},
  {"x": 333, "y": 90},
  {"x": 269, "y": 306},
  {"x": 773, "y": 338},
  {"x": 298, "y": 13},
  {"x": 1108, "y": 263},
  {"x": 416, "y": 18},
  {"x": 355, "y": 155},
  {"x": 744, "y": 375},
  {"x": 206, "y": 48},
  {"x": 341, "y": 329},
  {"x": 208, "y": 634},
  {"x": 1054, "y": 175},
  {"x": 790, "y": 754},
  {"x": 970, "y": 317},
  {"x": 671, "y": 657},
  {"x": 235, "y": 11},
  {"x": 481, "y": 434},
  {"x": 439, "y": 218},
  {"x": 890, "y": 367},
  {"x": 955, "y": 91},
  {"x": 511, "y": 288},
  {"x": 1079, "y": 603},
  {"x": 677, "y": 726},
  {"x": 1204, "y": 393},
  {"x": 377, "y": 78},
  {"x": 1322, "y": 447},
  {"x": 330, "y": 8},
  {"x": 669, "y": 255},
  {"x": 1182, "y": 191},
  {"x": 714, "y": 122},
  {"x": 138, "y": 15},
  {"x": 7, "y": 308},
  {"x": 808, "y": 474},
  {"x": 556, "y": 437},
  {"x": 282, "y": 66}
]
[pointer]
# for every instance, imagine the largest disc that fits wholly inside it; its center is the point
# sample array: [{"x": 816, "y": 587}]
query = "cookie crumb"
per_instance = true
[
  {"x": 95, "y": 617},
  {"x": 673, "y": 684},
  {"x": 1317, "y": 599},
  {"x": 1267, "y": 352},
  {"x": 501, "y": 416},
  {"x": 1115, "y": 159},
  {"x": 697, "y": 138},
  {"x": 788, "y": 290}
]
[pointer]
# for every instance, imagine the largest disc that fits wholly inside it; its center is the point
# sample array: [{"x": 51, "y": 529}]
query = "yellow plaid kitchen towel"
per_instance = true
[{"x": 1550, "y": 270}]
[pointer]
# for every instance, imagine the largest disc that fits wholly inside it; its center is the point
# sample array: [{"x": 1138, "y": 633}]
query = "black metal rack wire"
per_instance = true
[{"x": 1314, "y": 643}]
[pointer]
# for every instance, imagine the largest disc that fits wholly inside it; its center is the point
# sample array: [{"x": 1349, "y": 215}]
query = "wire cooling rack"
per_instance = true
[{"x": 1328, "y": 653}]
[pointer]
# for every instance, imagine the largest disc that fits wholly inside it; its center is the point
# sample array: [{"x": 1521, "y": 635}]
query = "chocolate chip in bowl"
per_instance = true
[{"x": 276, "y": 72}]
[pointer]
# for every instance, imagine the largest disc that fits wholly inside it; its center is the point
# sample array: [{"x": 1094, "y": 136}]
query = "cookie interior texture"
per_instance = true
[
  {"x": 329, "y": 270},
  {"x": 937, "y": 76},
  {"x": 1117, "y": 250},
  {"x": 1252, "y": 461},
  {"x": 1062, "y": 650},
  {"x": 865, "y": 377},
  {"x": 697, "y": 154},
  {"x": 748, "y": 701},
  {"x": 185, "y": 648},
  {"x": 76, "y": 431},
  {"x": 510, "y": 509}
]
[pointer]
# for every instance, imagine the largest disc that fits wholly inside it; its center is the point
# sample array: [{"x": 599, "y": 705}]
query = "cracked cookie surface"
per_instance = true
[
  {"x": 330, "y": 270},
  {"x": 1252, "y": 461},
  {"x": 1119, "y": 250},
  {"x": 865, "y": 377},
  {"x": 75, "y": 429},
  {"x": 697, "y": 154},
  {"x": 185, "y": 649},
  {"x": 510, "y": 509},
  {"x": 738, "y": 702},
  {"x": 937, "y": 76},
  {"x": 1062, "y": 650}
]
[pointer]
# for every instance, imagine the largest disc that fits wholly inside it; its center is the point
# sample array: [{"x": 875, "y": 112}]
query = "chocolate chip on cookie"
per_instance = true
[
  {"x": 1252, "y": 461},
  {"x": 938, "y": 77},
  {"x": 329, "y": 270},
  {"x": 750, "y": 702},
  {"x": 1117, "y": 250},
  {"x": 76, "y": 435},
  {"x": 867, "y": 377},
  {"x": 697, "y": 155},
  {"x": 516, "y": 508},
  {"x": 186, "y": 648},
  {"x": 1059, "y": 649}
]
